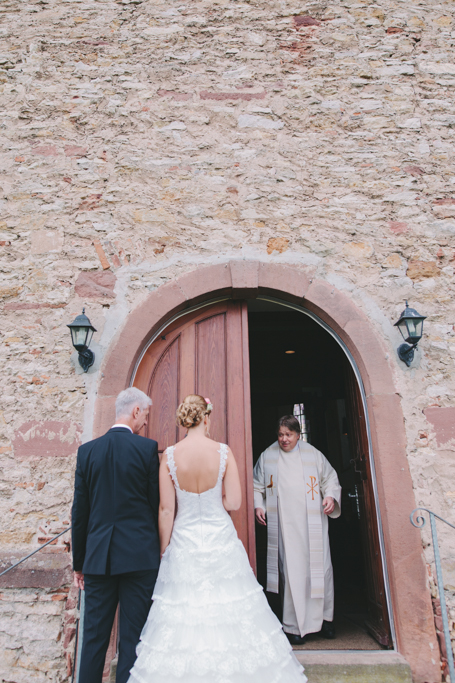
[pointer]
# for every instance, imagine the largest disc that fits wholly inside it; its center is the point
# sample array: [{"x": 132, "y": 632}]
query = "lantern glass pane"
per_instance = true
[
  {"x": 412, "y": 328},
  {"x": 79, "y": 336},
  {"x": 89, "y": 337},
  {"x": 403, "y": 329}
]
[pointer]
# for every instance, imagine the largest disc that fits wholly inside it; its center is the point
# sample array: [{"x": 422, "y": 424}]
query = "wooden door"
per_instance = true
[
  {"x": 206, "y": 353},
  {"x": 378, "y": 619}
]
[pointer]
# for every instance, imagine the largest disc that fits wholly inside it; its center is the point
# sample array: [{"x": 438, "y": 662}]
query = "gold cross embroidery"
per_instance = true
[
  {"x": 312, "y": 487},
  {"x": 271, "y": 485}
]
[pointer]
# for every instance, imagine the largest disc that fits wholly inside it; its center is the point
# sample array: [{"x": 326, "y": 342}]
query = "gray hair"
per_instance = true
[{"x": 128, "y": 399}]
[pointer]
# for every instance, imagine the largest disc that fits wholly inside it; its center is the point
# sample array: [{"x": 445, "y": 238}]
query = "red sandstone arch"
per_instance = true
[{"x": 411, "y": 602}]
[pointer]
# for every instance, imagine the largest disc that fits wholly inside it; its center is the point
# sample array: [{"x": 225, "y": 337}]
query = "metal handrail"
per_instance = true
[
  {"x": 77, "y": 638},
  {"x": 35, "y": 551},
  {"x": 419, "y": 523}
]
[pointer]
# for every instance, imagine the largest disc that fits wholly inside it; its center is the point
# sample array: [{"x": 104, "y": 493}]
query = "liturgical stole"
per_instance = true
[{"x": 312, "y": 493}]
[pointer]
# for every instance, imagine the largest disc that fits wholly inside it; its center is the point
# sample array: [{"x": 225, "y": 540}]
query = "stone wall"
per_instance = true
[{"x": 142, "y": 139}]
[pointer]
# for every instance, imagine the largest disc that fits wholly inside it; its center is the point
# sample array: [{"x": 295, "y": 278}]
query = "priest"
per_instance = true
[{"x": 295, "y": 491}]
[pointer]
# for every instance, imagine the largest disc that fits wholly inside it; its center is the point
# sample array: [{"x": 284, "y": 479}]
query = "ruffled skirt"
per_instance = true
[{"x": 210, "y": 623}]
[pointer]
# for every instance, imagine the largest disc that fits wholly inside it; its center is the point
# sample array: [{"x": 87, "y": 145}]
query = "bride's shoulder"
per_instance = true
[
  {"x": 218, "y": 447},
  {"x": 168, "y": 454},
  {"x": 224, "y": 447}
]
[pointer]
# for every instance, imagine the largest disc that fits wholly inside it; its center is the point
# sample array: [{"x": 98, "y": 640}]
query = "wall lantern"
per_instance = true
[
  {"x": 81, "y": 335},
  {"x": 410, "y": 325}
]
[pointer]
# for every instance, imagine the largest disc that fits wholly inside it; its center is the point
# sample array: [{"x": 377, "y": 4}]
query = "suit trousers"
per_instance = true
[{"x": 133, "y": 591}]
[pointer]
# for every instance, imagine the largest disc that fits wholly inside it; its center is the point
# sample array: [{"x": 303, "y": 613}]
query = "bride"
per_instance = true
[{"x": 210, "y": 621}]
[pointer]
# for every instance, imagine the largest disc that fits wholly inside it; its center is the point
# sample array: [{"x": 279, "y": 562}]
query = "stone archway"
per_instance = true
[{"x": 411, "y": 604}]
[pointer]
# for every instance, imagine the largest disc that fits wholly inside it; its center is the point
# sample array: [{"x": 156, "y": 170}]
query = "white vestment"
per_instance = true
[{"x": 282, "y": 483}]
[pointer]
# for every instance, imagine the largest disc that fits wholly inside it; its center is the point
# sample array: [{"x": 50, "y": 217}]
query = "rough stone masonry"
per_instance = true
[{"x": 141, "y": 139}]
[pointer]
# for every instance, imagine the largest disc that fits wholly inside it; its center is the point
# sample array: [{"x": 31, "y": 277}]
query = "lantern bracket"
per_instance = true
[
  {"x": 86, "y": 359},
  {"x": 406, "y": 353}
]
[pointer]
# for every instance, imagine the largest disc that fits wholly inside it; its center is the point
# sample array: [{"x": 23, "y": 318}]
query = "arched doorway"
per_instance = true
[
  {"x": 410, "y": 597},
  {"x": 209, "y": 351}
]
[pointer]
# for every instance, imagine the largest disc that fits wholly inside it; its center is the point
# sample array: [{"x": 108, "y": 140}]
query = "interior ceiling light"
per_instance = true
[{"x": 289, "y": 351}]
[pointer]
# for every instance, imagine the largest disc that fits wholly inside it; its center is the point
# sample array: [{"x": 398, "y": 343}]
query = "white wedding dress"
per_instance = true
[{"x": 210, "y": 621}]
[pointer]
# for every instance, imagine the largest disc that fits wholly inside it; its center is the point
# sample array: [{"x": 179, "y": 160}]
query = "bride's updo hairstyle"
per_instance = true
[{"x": 192, "y": 411}]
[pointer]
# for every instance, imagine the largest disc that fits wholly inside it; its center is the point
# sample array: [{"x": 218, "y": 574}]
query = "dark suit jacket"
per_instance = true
[{"x": 115, "y": 507}]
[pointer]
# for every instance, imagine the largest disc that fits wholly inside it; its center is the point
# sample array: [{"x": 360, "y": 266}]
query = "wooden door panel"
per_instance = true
[
  {"x": 187, "y": 368},
  {"x": 163, "y": 390},
  {"x": 206, "y": 352},
  {"x": 378, "y": 618},
  {"x": 211, "y": 370},
  {"x": 246, "y": 417},
  {"x": 238, "y": 430}
]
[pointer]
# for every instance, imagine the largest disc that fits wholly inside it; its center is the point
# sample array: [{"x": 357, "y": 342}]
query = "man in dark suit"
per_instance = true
[{"x": 116, "y": 550}]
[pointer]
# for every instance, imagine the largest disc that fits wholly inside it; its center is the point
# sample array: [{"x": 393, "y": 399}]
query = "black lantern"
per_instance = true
[
  {"x": 81, "y": 335},
  {"x": 410, "y": 325}
]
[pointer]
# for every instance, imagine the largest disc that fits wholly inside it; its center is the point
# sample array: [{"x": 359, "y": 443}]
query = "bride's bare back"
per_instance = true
[{"x": 198, "y": 463}]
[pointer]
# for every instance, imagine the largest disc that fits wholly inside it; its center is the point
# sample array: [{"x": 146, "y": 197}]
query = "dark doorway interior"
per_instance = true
[{"x": 313, "y": 378}]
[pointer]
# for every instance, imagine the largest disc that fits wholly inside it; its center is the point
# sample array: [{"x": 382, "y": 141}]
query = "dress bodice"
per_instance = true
[{"x": 201, "y": 517}]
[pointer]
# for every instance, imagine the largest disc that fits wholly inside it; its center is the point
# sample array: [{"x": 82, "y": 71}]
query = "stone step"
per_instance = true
[{"x": 329, "y": 666}]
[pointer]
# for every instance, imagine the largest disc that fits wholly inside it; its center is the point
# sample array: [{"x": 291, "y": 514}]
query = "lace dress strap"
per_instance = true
[
  {"x": 223, "y": 451},
  {"x": 171, "y": 465}
]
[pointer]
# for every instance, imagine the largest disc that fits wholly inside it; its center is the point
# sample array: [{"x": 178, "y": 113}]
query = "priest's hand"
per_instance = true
[
  {"x": 328, "y": 505},
  {"x": 260, "y": 516}
]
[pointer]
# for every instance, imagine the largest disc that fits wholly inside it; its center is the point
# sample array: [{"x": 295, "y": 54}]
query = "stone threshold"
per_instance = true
[
  {"x": 341, "y": 666},
  {"x": 354, "y": 666}
]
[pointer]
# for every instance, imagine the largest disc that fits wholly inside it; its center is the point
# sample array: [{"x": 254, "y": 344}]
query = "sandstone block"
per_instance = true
[
  {"x": 45, "y": 151},
  {"x": 151, "y": 216},
  {"x": 398, "y": 227},
  {"x": 414, "y": 170},
  {"x": 392, "y": 261},
  {"x": 9, "y": 291},
  {"x": 443, "y": 421},
  {"x": 279, "y": 244},
  {"x": 46, "y": 439},
  {"x": 444, "y": 21},
  {"x": 280, "y": 278},
  {"x": 99, "y": 285},
  {"x": 75, "y": 151},
  {"x": 196, "y": 284},
  {"x": 305, "y": 20},
  {"x": 444, "y": 208},
  {"x": 358, "y": 250},
  {"x": 419, "y": 270},
  {"x": 244, "y": 275},
  {"x": 101, "y": 255}
]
